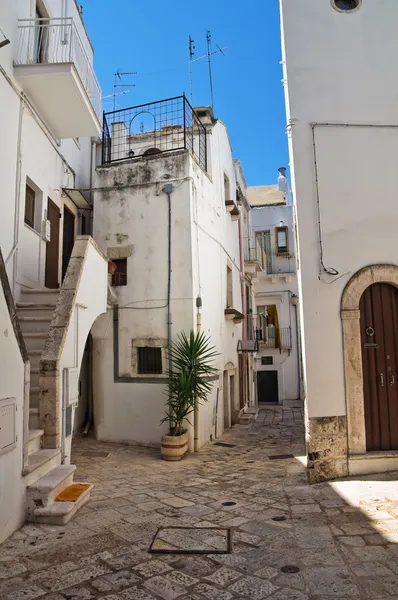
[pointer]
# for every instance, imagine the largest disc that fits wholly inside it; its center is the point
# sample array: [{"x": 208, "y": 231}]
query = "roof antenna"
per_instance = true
[
  {"x": 191, "y": 48},
  {"x": 118, "y": 76},
  {"x": 208, "y": 40}
]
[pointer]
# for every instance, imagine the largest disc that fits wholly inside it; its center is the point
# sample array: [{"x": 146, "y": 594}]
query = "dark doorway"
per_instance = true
[
  {"x": 52, "y": 247},
  {"x": 267, "y": 387},
  {"x": 68, "y": 239},
  {"x": 379, "y": 340}
]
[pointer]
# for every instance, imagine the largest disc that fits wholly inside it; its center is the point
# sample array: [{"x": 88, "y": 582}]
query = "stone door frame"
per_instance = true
[{"x": 350, "y": 317}]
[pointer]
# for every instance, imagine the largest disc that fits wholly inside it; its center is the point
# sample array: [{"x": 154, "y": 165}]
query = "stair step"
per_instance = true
[
  {"x": 29, "y": 309},
  {"x": 60, "y": 513},
  {"x": 35, "y": 324},
  {"x": 35, "y": 440},
  {"x": 35, "y": 341},
  {"x": 34, "y": 397},
  {"x": 42, "y": 461},
  {"x": 39, "y": 296},
  {"x": 42, "y": 492},
  {"x": 34, "y": 418},
  {"x": 34, "y": 376},
  {"x": 34, "y": 357}
]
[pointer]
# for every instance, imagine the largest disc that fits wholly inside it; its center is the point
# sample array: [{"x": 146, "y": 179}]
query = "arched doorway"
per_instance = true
[
  {"x": 354, "y": 367},
  {"x": 378, "y": 309}
]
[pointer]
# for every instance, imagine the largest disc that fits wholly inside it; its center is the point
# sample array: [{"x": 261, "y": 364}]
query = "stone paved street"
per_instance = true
[{"x": 289, "y": 540}]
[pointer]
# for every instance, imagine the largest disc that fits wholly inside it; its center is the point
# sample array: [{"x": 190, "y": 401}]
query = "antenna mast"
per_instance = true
[
  {"x": 119, "y": 75},
  {"x": 191, "y": 48},
  {"x": 208, "y": 40}
]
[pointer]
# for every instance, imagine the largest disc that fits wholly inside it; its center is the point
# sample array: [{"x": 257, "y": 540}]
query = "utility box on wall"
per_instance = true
[{"x": 8, "y": 434}]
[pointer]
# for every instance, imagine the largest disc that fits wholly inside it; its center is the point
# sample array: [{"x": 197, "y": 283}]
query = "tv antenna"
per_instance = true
[
  {"x": 118, "y": 77},
  {"x": 191, "y": 48},
  {"x": 208, "y": 55}
]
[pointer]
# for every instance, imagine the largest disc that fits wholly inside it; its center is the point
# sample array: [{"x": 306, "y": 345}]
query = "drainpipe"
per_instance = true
[
  {"x": 167, "y": 189},
  {"x": 242, "y": 292},
  {"x": 196, "y": 409},
  {"x": 298, "y": 351},
  {"x": 13, "y": 253}
]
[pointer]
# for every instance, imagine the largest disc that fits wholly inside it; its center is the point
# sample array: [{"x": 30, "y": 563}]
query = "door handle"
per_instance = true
[
  {"x": 381, "y": 379},
  {"x": 392, "y": 379}
]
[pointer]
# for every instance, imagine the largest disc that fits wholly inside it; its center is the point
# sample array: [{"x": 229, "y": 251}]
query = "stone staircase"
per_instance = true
[
  {"x": 248, "y": 415},
  {"x": 46, "y": 477}
]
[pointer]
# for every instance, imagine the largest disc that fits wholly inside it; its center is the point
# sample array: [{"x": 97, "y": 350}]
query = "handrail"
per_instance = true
[{"x": 56, "y": 41}]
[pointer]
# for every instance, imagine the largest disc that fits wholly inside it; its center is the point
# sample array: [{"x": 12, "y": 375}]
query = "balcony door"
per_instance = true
[
  {"x": 40, "y": 43},
  {"x": 52, "y": 247}
]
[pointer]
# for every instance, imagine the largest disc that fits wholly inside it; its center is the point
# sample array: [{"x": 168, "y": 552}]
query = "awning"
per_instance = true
[{"x": 79, "y": 198}]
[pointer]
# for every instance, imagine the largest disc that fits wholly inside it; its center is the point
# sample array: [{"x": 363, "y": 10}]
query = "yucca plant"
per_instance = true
[{"x": 189, "y": 381}]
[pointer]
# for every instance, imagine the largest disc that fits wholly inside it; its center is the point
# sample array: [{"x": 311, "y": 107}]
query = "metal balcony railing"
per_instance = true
[
  {"x": 150, "y": 129},
  {"x": 254, "y": 252},
  {"x": 57, "y": 41},
  {"x": 267, "y": 335}
]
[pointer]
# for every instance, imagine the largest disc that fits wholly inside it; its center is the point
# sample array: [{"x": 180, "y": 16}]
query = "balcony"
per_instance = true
[
  {"x": 268, "y": 336},
  {"x": 53, "y": 68},
  {"x": 148, "y": 130},
  {"x": 254, "y": 256}
]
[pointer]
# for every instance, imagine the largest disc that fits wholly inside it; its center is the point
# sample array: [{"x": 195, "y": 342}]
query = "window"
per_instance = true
[
  {"x": 230, "y": 296},
  {"x": 149, "y": 361},
  {"x": 227, "y": 189},
  {"x": 346, "y": 5},
  {"x": 282, "y": 240},
  {"x": 30, "y": 202},
  {"x": 119, "y": 277},
  {"x": 267, "y": 360}
]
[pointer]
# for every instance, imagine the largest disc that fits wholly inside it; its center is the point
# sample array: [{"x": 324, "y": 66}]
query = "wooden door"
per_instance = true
[
  {"x": 379, "y": 340},
  {"x": 68, "y": 239},
  {"x": 52, "y": 247},
  {"x": 267, "y": 386}
]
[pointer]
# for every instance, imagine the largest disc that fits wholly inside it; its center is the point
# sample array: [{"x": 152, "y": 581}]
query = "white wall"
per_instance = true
[
  {"x": 356, "y": 166},
  {"x": 48, "y": 163},
  {"x": 278, "y": 290},
  {"x": 204, "y": 241},
  {"x": 12, "y": 489}
]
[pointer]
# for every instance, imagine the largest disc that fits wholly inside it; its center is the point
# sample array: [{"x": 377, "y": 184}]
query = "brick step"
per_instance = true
[
  {"x": 42, "y": 492},
  {"x": 35, "y": 440},
  {"x": 60, "y": 513}
]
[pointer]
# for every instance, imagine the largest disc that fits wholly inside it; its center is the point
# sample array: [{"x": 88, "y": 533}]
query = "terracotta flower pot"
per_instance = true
[
  {"x": 174, "y": 447},
  {"x": 112, "y": 268}
]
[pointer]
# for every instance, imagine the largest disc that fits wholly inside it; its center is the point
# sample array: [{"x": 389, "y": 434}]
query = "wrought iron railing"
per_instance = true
[
  {"x": 254, "y": 252},
  {"x": 268, "y": 335},
  {"x": 153, "y": 128},
  {"x": 57, "y": 41}
]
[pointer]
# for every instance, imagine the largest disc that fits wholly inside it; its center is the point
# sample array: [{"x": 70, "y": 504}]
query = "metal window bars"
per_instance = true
[{"x": 153, "y": 128}]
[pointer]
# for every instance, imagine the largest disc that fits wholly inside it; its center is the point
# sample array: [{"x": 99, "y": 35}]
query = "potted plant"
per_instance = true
[{"x": 188, "y": 385}]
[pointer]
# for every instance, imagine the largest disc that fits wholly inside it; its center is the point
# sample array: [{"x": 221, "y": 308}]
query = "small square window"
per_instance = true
[
  {"x": 149, "y": 361},
  {"x": 267, "y": 360},
  {"x": 30, "y": 202},
  {"x": 119, "y": 277}
]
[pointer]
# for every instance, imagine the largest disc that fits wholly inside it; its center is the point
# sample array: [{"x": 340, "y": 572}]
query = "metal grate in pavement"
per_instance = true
[
  {"x": 192, "y": 540},
  {"x": 224, "y": 444},
  {"x": 280, "y": 456}
]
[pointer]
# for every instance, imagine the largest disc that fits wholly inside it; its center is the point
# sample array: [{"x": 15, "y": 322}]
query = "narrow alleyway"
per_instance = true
[{"x": 288, "y": 540}]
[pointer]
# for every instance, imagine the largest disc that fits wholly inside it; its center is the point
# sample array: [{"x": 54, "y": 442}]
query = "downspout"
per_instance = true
[
  {"x": 168, "y": 188},
  {"x": 196, "y": 409},
  {"x": 242, "y": 293},
  {"x": 298, "y": 352},
  {"x": 13, "y": 253}
]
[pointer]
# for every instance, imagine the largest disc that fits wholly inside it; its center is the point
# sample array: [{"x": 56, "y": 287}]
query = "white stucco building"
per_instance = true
[
  {"x": 54, "y": 283},
  {"x": 274, "y": 318},
  {"x": 339, "y": 59},
  {"x": 166, "y": 213}
]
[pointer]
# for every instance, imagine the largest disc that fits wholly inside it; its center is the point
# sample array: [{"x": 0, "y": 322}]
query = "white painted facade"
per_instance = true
[
  {"x": 277, "y": 285},
  {"x": 51, "y": 105},
  {"x": 343, "y": 139},
  {"x": 131, "y": 220}
]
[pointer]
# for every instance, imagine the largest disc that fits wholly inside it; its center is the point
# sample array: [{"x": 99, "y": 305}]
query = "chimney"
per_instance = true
[{"x": 283, "y": 185}]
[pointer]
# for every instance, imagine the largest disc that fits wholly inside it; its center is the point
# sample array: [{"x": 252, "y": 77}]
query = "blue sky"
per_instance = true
[{"x": 151, "y": 37}]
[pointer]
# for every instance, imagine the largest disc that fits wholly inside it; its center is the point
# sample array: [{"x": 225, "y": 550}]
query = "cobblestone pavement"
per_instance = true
[{"x": 289, "y": 540}]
